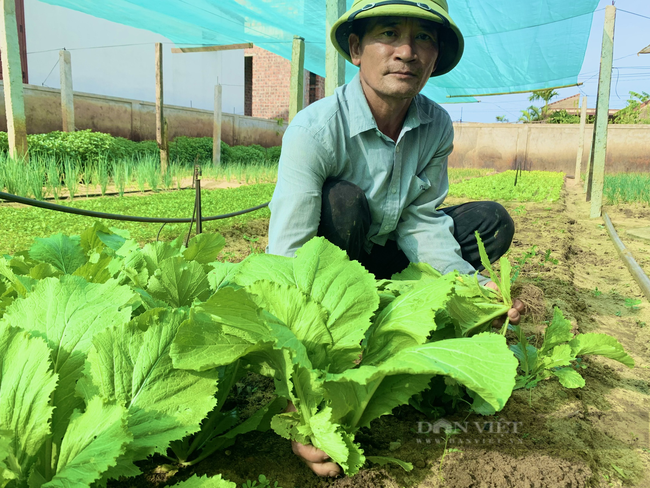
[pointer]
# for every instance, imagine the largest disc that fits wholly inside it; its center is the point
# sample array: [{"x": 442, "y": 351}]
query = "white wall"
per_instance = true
[{"x": 126, "y": 68}]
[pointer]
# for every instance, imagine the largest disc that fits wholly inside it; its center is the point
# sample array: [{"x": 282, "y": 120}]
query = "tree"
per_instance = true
[
  {"x": 502, "y": 118},
  {"x": 531, "y": 114},
  {"x": 563, "y": 117},
  {"x": 547, "y": 95},
  {"x": 632, "y": 113}
]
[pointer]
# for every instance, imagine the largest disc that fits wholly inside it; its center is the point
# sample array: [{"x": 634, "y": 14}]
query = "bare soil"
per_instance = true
[{"x": 597, "y": 436}]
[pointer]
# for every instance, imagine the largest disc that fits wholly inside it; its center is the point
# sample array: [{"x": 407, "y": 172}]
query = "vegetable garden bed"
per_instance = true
[{"x": 548, "y": 436}]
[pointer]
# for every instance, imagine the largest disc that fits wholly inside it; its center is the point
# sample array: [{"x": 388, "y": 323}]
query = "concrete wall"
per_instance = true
[
  {"x": 547, "y": 147},
  {"x": 135, "y": 119},
  {"x": 118, "y": 60}
]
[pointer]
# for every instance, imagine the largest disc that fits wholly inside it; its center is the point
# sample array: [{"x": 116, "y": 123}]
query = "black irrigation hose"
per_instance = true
[{"x": 101, "y": 215}]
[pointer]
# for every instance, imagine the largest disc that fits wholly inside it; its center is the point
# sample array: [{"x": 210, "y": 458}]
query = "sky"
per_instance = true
[{"x": 631, "y": 72}]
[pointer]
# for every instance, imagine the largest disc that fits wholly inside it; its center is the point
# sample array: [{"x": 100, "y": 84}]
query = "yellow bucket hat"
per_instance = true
[{"x": 451, "y": 40}]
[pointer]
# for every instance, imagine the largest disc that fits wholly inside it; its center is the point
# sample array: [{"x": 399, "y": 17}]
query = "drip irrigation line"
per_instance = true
[
  {"x": 128, "y": 218},
  {"x": 635, "y": 270}
]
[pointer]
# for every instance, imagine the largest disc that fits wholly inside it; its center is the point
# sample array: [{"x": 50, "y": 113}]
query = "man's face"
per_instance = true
[{"x": 396, "y": 55}]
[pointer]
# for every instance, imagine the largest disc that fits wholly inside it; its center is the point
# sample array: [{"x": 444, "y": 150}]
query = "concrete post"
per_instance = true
[
  {"x": 581, "y": 141},
  {"x": 216, "y": 135},
  {"x": 602, "y": 109},
  {"x": 297, "y": 77},
  {"x": 12, "y": 74},
  {"x": 334, "y": 62},
  {"x": 161, "y": 129},
  {"x": 67, "y": 100}
]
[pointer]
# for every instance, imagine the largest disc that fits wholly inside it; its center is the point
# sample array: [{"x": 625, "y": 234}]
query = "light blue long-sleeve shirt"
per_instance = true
[{"x": 404, "y": 181}]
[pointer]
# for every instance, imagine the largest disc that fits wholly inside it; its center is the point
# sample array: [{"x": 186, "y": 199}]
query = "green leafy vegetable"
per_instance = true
[
  {"x": 307, "y": 321},
  {"x": 559, "y": 353}
]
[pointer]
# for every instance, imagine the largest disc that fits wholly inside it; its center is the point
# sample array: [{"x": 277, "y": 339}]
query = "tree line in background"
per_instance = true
[{"x": 633, "y": 112}]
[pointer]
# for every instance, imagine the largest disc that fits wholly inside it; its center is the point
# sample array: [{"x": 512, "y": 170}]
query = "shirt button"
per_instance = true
[
  {"x": 397, "y": 150},
  {"x": 394, "y": 190}
]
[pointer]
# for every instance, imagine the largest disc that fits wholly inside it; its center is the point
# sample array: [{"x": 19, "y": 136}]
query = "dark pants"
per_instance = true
[{"x": 345, "y": 221}]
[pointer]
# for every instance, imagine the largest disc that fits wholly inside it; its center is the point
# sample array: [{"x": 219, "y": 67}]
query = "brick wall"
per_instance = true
[{"x": 271, "y": 85}]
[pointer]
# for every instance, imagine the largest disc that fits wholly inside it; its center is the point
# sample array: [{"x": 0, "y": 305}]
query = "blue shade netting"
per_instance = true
[{"x": 510, "y": 45}]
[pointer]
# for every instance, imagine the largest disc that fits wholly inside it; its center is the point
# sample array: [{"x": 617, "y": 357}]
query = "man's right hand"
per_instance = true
[{"x": 317, "y": 460}]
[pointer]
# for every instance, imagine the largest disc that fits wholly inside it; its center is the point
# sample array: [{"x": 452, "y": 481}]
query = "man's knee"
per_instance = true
[
  {"x": 503, "y": 222},
  {"x": 342, "y": 195},
  {"x": 345, "y": 216},
  {"x": 502, "y": 227}
]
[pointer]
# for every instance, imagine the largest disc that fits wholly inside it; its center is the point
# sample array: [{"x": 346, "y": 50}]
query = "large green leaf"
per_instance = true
[
  {"x": 337, "y": 443},
  {"x": 26, "y": 383},
  {"x": 223, "y": 329},
  {"x": 8, "y": 465},
  {"x": 418, "y": 272},
  {"x": 600, "y": 345},
  {"x": 96, "y": 269},
  {"x": 408, "y": 320},
  {"x": 344, "y": 288},
  {"x": 67, "y": 313},
  {"x": 560, "y": 356},
  {"x": 90, "y": 240},
  {"x": 569, "y": 378},
  {"x": 132, "y": 367},
  {"x": 21, "y": 284},
  {"x": 62, "y": 252},
  {"x": 155, "y": 253},
  {"x": 204, "y": 248},
  {"x": 558, "y": 332},
  {"x": 303, "y": 316},
  {"x": 357, "y": 404},
  {"x": 205, "y": 482},
  {"x": 256, "y": 267},
  {"x": 93, "y": 441},
  {"x": 221, "y": 274},
  {"x": 482, "y": 363},
  {"x": 179, "y": 282}
]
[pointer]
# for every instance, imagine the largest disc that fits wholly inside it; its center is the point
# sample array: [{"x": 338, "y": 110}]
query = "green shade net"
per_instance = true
[{"x": 510, "y": 45}]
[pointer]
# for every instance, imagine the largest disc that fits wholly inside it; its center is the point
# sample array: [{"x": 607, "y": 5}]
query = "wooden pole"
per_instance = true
[
  {"x": 581, "y": 141},
  {"x": 12, "y": 74},
  {"x": 589, "y": 172},
  {"x": 208, "y": 49},
  {"x": 67, "y": 100},
  {"x": 216, "y": 134},
  {"x": 161, "y": 126},
  {"x": 602, "y": 109},
  {"x": 334, "y": 63},
  {"x": 297, "y": 77}
]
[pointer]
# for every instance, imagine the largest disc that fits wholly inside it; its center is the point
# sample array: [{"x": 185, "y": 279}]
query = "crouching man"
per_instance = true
[{"x": 367, "y": 167}]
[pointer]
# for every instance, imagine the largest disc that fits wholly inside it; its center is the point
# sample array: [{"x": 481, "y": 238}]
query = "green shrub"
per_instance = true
[
  {"x": 90, "y": 147},
  {"x": 4, "y": 142},
  {"x": 126, "y": 149},
  {"x": 273, "y": 154},
  {"x": 188, "y": 150}
]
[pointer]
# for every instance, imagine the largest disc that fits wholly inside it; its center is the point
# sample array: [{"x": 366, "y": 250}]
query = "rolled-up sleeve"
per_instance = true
[
  {"x": 424, "y": 233},
  {"x": 296, "y": 203}
]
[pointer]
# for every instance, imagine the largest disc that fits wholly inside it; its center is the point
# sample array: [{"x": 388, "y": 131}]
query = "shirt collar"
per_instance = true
[{"x": 362, "y": 120}]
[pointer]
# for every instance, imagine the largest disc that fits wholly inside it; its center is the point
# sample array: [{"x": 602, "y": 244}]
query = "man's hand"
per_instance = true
[
  {"x": 514, "y": 314},
  {"x": 317, "y": 460}
]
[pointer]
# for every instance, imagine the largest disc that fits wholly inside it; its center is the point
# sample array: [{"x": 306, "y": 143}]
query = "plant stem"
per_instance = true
[{"x": 207, "y": 430}]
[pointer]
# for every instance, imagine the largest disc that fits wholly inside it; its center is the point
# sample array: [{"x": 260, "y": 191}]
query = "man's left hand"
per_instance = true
[{"x": 514, "y": 314}]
